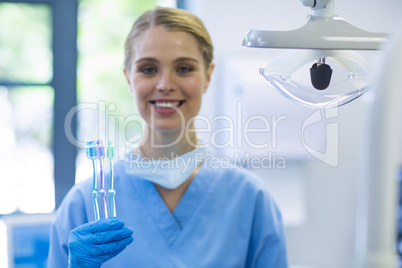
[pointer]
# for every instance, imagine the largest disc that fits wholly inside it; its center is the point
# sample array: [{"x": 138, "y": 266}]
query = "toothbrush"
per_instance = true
[
  {"x": 100, "y": 154},
  {"x": 111, "y": 192},
  {"x": 91, "y": 154}
]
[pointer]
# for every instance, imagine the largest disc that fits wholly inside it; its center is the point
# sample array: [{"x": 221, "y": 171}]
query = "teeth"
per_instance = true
[{"x": 169, "y": 104}]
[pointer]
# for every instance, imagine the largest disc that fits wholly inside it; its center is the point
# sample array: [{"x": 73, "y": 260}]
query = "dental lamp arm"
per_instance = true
[
  {"x": 322, "y": 8},
  {"x": 315, "y": 4}
]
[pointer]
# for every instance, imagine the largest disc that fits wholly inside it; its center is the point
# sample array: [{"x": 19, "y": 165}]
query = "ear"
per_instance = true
[
  {"x": 126, "y": 74},
  {"x": 210, "y": 70}
]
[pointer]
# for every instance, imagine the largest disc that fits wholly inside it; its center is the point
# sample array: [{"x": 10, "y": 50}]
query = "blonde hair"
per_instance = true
[{"x": 171, "y": 19}]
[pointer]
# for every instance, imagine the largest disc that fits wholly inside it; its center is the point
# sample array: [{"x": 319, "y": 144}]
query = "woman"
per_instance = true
[{"x": 193, "y": 215}]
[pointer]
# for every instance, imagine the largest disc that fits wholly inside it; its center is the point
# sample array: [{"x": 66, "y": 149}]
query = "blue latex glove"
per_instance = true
[{"x": 94, "y": 243}]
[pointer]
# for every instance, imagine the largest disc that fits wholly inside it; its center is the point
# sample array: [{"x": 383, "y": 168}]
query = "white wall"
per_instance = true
[{"x": 325, "y": 238}]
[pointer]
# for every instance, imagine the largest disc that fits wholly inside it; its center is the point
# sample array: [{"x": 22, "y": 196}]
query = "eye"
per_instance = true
[
  {"x": 184, "y": 69},
  {"x": 148, "y": 70}
]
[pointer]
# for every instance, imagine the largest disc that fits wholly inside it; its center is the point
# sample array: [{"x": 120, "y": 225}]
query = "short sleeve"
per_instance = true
[
  {"x": 69, "y": 215},
  {"x": 267, "y": 247}
]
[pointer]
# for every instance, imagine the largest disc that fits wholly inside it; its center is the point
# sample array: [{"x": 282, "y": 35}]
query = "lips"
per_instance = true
[{"x": 165, "y": 106}]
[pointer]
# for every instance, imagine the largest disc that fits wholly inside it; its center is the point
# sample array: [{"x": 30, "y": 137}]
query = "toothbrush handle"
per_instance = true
[
  {"x": 95, "y": 204},
  {"x": 112, "y": 203},
  {"x": 94, "y": 192},
  {"x": 111, "y": 192},
  {"x": 103, "y": 203},
  {"x": 102, "y": 193}
]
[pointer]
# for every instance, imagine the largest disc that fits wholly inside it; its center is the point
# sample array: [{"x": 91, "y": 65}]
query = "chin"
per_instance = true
[{"x": 166, "y": 128}]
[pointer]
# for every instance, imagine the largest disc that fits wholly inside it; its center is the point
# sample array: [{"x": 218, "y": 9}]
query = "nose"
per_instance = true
[{"x": 166, "y": 82}]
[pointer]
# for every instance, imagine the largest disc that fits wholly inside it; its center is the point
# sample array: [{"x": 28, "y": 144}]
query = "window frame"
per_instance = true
[{"x": 64, "y": 83}]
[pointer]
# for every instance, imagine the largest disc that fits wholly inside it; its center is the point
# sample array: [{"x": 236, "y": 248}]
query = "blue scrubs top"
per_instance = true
[{"x": 226, "y": 218}]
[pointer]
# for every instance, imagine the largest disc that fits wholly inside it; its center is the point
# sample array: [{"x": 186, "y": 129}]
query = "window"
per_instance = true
[
  {"x": 37, "y": 88},
  {"x": 41, "y": 83},
  {"x": 26, "y": 104},
  {"x": 106, "y": 107}
]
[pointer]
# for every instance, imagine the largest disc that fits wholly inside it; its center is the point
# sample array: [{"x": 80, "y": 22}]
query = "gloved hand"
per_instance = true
[{"x": 94, "y": 243}]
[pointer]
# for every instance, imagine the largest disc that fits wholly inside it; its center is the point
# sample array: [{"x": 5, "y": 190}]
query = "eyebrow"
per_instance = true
[
  {"x": 150, "y": 59},
  {"x": 147, "y": 59},
  {"x": 186, "y": 59}
]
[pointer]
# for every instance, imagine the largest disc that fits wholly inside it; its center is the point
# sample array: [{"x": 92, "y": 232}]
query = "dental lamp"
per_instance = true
[
  {"x": 328, "y": 36},
  {"x": 323, "y": 36}
]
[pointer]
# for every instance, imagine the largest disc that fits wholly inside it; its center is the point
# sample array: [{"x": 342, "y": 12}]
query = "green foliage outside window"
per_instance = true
[{"x": 103, "y": 27}]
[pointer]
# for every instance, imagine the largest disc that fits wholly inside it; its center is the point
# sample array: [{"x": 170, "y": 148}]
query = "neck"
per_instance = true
[{"x": 157, "y": 144}]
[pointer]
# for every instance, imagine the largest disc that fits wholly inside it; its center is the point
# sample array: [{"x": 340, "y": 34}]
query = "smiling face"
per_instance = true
[{"x": 167, "y": 78}]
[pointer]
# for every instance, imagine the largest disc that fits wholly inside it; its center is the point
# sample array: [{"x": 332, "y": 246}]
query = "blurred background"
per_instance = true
[{"x": 62, "y": 84}]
